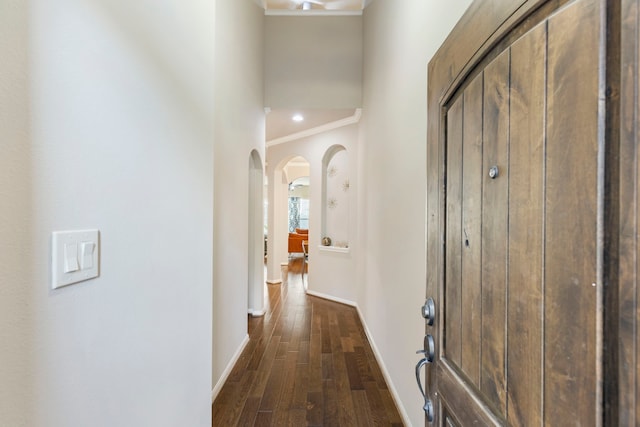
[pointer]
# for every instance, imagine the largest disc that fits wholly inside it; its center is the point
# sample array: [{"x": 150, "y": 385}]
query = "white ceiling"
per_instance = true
[
  {"x": 279, "y": 122},
  {"x": 316, "y": 5}
]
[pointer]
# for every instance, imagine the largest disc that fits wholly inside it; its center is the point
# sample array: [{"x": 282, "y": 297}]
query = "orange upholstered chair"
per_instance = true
[{"x": 295, "y": 240}]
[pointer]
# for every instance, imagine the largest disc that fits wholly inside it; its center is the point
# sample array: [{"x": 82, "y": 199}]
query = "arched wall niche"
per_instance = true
[{"x": 336, "y": 187}]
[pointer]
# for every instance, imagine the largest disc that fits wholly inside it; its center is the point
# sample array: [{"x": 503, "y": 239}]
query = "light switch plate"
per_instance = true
[{"x": 75, "y": 256}]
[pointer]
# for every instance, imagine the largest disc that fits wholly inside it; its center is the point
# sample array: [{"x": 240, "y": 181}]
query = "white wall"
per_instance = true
[
  {"x": 17, "y": 312},
  {"x": 337, "y": 198},
  {"x": 313, "y": 62},
  {"x": 239, "y": 129},
  {"x": 331, "y": 274},
  {"x": 400, "y": 37},
  {"x": 108, "y": 125}
]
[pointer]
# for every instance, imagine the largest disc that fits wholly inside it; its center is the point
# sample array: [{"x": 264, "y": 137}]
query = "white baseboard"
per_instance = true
[
  {"x": 228, "y": 369},
  {"x": 257, "y": 313},
  {"x": 376, "y": 353},
  {"x": 331, "y": 298},
  {"x": 385, "y": 373}
]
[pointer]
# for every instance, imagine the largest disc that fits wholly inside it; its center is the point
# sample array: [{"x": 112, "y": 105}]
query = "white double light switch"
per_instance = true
[{"x": 75, "y": 256}]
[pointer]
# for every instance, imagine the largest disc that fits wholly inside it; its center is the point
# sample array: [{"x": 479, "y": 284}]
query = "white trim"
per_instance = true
[
  {"x": 331, "y": 298},
  {"x": 336, "y": 249},
  {"x": 385, "y": 373},
  {"x": 257, "y": 313},
  {"x": 318, "y": 129},
  {"x": 286, "y": 12},
  {"x": 376, "y": 353},
  {"x": 228, "y": 369}
]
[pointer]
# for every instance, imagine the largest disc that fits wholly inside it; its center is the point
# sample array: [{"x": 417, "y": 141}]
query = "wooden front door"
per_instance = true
[{"x": 515, "y": 221}]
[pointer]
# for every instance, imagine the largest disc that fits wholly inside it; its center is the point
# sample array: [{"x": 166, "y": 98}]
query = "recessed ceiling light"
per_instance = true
[{"x": 297, "y": 118}]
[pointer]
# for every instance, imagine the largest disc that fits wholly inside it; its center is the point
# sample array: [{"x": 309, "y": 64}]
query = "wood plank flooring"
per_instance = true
[{"x": 308, "y": 362}]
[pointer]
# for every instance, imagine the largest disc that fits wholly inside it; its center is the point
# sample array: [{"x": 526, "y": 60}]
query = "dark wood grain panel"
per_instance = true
[
  {"x": 327, "y": 367},
  {"x": 347, "y": 411},
  {"x": 356, "y": 339},
  {"x": 628, "y": 308},
  {"x": 347, "y": 344},
  {"x": 589, "y": 266},
  {"x": 263, "y": 419},
  {"x": 495, "y": 153},
  {"x": 303, "y": 350},
  {"x": 248, "y": 415},
  {"x": 330, "y": 404},
  {"x": 361, "y": 404},
  {"x": 315, "y": 353},
  {"x": 526, "y": 214},
  {"x": 326, "y": 333},
  {"x": 314, "y": 408},
  {"x": 474, "y": 35},
  {"x": 286, "y": 399},
  {"x": 297, "y": 417},
  {"x": 301, "y": 387},
  {"x": 226, "y": 399},
  {"x": 571, "y": 215},
  {"x": 335, "y": 331},
  {"x": 237, "y": 400},
  {"x": 611, "y": 212},
  {"x": 374, "y": 368},
  {"x": 264, "y": 369},
  {"x": 351, "y": 363},
  {"x": 378, "y": 413},
  {"x": 472, "y": 229},
  {"x": 296, "y": 331},
  {"x": 461, "y": 398},
  {"x": 453, "y": 270},
  {"x": 283, "y": 348},
  {"x": 273, "y": 388}
]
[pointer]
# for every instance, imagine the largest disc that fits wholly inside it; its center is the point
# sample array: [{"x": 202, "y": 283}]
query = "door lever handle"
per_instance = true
[
  {"x": 428, "y": 405},
  {"x": 429, "y": 352}
]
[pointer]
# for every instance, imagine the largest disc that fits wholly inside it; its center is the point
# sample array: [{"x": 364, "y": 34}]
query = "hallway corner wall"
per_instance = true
[
  {"x": 399, "y": 39},
  {"x": 105, "y": 122},
  {"x": 17, "y": 317},
  {"x": 239, "y": 129}
]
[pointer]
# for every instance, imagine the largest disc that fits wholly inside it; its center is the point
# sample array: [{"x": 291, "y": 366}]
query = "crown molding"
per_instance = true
[
  {"x": 285, "y": 12},
  {"x": 318, "y": 129}
]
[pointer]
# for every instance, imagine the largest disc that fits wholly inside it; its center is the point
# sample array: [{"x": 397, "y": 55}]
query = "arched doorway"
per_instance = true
[
  {"x": 256, "y": 282},
  {"x": 280, "y": 178}
]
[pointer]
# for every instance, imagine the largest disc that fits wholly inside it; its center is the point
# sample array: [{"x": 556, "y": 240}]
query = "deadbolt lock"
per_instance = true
[{"x": 429, "y": 311}]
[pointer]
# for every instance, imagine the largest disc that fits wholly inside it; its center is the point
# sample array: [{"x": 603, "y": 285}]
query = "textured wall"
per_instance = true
[
  {"x": 313, "y": 62},
  {"x": 108, "y": 125},
  {"x": 400, "y": 38},
  {"x": 239, "y": 129}
]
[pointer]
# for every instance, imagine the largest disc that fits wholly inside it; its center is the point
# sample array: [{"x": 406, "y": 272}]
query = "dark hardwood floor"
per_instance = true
[{"x": 308, "y": 362}]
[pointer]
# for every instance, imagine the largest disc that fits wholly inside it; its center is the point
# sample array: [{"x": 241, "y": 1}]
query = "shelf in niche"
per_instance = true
[{"x": 335, "y": 249}]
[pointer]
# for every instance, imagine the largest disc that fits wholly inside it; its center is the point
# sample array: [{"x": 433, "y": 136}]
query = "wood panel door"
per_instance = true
[{"x": 515, "y": 223}]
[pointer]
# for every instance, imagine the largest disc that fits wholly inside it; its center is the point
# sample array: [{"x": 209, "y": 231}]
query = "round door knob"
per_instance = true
[{"x": 493, "y": 172}]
